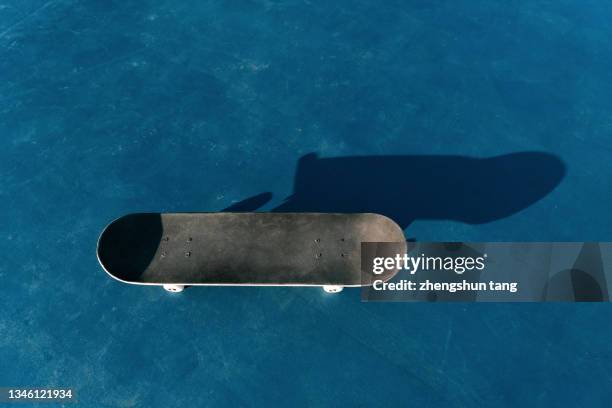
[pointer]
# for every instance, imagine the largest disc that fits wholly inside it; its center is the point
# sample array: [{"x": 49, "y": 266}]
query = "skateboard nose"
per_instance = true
[{"x": 128, "y": 245}]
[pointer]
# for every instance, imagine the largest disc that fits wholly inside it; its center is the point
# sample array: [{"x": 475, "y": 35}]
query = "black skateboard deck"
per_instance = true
[{"x": 185, "y": 249}]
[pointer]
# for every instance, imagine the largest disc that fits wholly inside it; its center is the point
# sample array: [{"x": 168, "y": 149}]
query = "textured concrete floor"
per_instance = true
[{"x": 110, "y": 107}]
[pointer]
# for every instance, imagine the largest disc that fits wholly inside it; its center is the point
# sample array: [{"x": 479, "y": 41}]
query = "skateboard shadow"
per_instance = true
[
  {"x": 250, "y": 204},
  {"x": 585, "y": 281},
  {"x": 410, "y": 187}
]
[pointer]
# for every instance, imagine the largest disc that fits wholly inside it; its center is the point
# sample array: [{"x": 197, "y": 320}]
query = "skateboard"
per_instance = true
[{"x": 176, "y": 250}]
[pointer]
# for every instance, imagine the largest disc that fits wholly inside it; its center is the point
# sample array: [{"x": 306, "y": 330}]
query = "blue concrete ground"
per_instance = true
[{"x": 109, "y": 107}]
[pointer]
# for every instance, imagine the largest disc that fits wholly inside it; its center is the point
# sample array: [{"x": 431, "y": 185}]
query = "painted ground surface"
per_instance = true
[{"x": 111, "y": 107}]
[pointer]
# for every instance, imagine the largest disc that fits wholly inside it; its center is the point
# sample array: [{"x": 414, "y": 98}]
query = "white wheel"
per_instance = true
[
  {"x": 333, "y": 288},
  {"x": 174, "y": 288}
]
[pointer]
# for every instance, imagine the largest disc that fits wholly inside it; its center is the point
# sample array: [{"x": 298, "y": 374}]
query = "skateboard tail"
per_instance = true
[{"x": 128, "y": 244}]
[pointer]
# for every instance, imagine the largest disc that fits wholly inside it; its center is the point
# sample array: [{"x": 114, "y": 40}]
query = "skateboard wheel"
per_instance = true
[
  {"x": 174, "y": 288},
  {"x": 333, "y": 288}
]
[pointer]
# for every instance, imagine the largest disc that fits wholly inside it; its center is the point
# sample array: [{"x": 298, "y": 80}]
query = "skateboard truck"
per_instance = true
[{"x": 326, "y": 288}]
